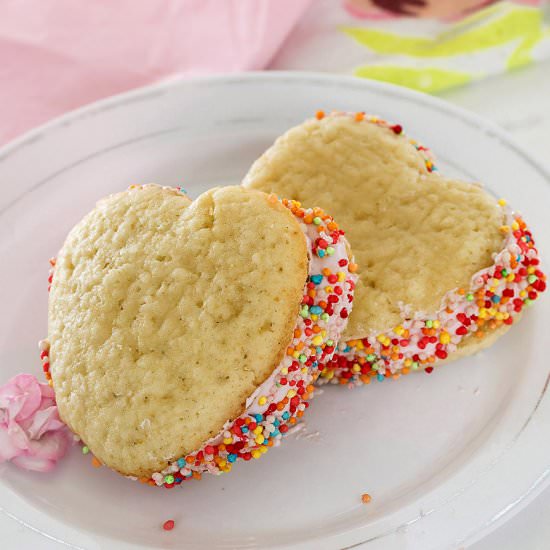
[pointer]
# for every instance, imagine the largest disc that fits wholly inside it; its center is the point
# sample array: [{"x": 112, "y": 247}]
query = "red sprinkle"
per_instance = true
[{"x": 168, "y": 525}]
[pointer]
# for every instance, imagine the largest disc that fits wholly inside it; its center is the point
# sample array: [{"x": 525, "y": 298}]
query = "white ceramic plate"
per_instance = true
[{"x": 446, "y": 457}]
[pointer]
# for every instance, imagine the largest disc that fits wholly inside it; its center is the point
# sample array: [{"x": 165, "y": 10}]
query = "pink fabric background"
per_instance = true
[{"x": 56, "y": 55}]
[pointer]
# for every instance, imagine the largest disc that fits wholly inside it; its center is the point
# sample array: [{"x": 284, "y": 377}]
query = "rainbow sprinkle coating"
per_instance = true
[
  {"x": 397, "y": 129},
  {"x": 495, "y": 296},
  {"x": 281, "y": 400}
]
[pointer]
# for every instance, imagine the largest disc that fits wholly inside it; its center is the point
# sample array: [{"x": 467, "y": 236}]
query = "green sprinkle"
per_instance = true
[
  {"x": 414, "y": 365},
  {"x": 330, "y": 251},
  {"x": 527, "y": 301},
  {"x": 317, "y": 220},
  {"x": 504, "y": 273},
  {"x": 371, "y": 357},
  {"x": 304, "y": 312},
  {"x": 330, "y": 342},
  {"x": 325, "y": 316},
  {"x": 531, "y": 279},
  {"x": 85, "y": 450},
  {"x": 429, "y": 324},
  {"x": 469, "y": 297},
  {"x": 169, "y": 479},
  {"x": 302, "y": 358}
]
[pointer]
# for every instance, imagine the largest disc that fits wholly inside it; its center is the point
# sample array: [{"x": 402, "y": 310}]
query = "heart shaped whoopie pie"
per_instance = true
[
  {"x": 443, "y": 267},
  {"x": 183, "y": 335}
]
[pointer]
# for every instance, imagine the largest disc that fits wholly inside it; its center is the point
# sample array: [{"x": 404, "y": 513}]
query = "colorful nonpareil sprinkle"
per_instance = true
[
  {"x": 496, "y": 295},
  {"x": 168, "y": 525}
]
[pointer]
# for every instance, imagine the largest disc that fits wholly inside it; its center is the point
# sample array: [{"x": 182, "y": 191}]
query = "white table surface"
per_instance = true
[{"x": 519, "y": 102}]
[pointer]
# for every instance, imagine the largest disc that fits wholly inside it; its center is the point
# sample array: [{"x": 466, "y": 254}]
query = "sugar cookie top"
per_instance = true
[
  {"x": 152, "y": 294},
  {"x": 415, "y": 234}
]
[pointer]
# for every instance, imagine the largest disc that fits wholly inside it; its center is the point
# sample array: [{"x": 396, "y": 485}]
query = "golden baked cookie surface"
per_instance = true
[
  {"x": 165, "y": 315},
  {"x": 415, "y": 234}
]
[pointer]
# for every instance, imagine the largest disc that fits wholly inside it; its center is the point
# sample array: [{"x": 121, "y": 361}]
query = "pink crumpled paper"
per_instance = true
[
  {"x": 56, "y": 55},
  {"x": 32, "y": 435}
]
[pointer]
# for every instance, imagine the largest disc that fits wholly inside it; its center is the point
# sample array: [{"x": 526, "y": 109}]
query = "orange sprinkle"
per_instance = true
[
  {"x": 310, "y": 388},
  {"x": 297, "y": 333},
  {"x": 196, "y": 475},
  {"x": 319, "y": 115},
  {"x": 96, "y": 463},
  {"x": 316, "y": 329},
  {"x": 352, "y": 267},
  {"x": 365, "y": 498},
  {"x": 461, "y": 291},
  {"x": 280, "y": 406},
  {"x": 292, "y": 420},
  {"x": 359, "y": 116},
  {"x": 326, "y": 272},
  {"x": 365, "y": 378}
]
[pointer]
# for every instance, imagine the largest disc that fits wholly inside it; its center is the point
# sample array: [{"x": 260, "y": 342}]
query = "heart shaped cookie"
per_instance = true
[
  {"x": 444, "y": 267},
  {"x": 183, "y": 335}
]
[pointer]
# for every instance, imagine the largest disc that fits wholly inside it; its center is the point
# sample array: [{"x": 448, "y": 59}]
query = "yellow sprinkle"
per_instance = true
[
  {"x": 258, "y": 430},
  {"x": 296, "y": 354},
  {"x": 510, "y": 277},
  {"x": 259, "y": 439},
  {"x": 515, "y": 225},
  {"x": 256, "y": 453},
  {"x": 435, "y": 324},
  {"x": 445, "y": 338},
  {"x": 398, "y": 330},
  {"x": 328, "y": 289},
  {"x": 304, "y": 370},
  {"x": 502, "y": 202},
  {"x": 318, "y": 340},
  {"x": 262, "y": 400},
  {"x": 291, "y": 393},
  {"x": 522, "y": 294},
  {"x": 314, "y": 317},
  {"x": 408, "y": 362},
  {"x": 356, "y": 368},
  {"x": 531, "y": 269},
  {"x": 222, "y": 463},
  {"x": 264, "y": 449},
  {"x": 504, "y": 228},
  {"x": 228, "y": 441},
  {"x": 381, "y": 338},
  {"x": 341, "y": 276},
  {"x": 284, "y": 370}
]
